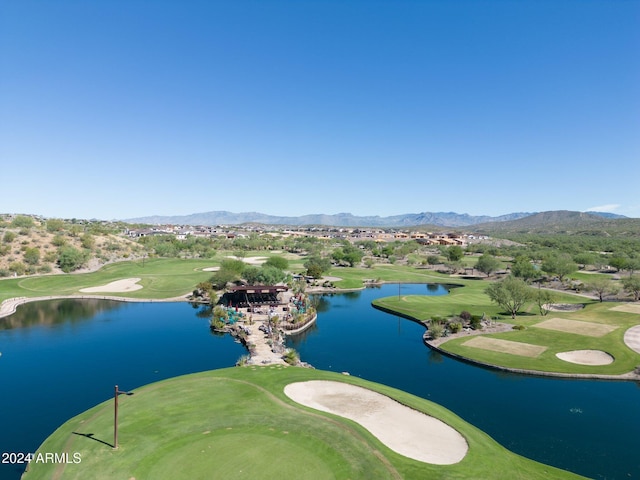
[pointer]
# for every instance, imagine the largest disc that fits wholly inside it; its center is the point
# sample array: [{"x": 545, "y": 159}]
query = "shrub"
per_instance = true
[
  {"x": 519, "y": 327},
  {"x": 464, "y": 315},
  {"x": 58, "y": 241},
  {"x": 22, "y": 221},
  {"x": 242, "y": 361},
  {"x": 455, "y": 327},
  {"x": 291, "y": 357},
  {"x": 8, "y": 237},
  {"x": 475, "y": 323},
  {"x": 18, "y": 268},
  {"x": 435, "y": 330}
]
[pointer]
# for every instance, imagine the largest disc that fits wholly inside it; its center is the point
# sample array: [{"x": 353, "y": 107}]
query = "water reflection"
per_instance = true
[{"x": 56, "y": 312}]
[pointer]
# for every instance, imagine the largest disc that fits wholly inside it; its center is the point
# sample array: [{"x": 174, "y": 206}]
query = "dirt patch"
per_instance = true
[
  {"x": 402, "y": 429},
  {"x": 586, "y": 357},
  {"x": 328, "y": 278},
  {"x": 588, "y": 329},
  {"x": 505, "y": 346},
  {"x": 563, "y": 307},
  {"x": 627, "y": 308}
]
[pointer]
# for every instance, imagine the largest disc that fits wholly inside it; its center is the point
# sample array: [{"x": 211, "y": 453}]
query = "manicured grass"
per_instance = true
[
  {"x": 238, "y": 423},
  {"x": 471, "y": 298},
  {"x": 353, "y": 277},
  {"x": 161, "y": 278}
]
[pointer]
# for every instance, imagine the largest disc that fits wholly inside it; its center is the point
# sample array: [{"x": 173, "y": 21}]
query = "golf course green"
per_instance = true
[{"x": 238, "y": 423}]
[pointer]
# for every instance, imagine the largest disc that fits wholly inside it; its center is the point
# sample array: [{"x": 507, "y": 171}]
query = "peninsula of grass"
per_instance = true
[
  {"x": 238, "y": 423},
  {"x": 470, "y": 297}
]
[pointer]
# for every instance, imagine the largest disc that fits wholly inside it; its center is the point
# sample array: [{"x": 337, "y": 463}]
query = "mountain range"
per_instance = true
[{"x": 439, "y": 219}]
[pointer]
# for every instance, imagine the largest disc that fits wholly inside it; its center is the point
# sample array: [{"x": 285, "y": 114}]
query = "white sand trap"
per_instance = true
[
  {"x": 632, "y": 338},
  {"x": 628, "y": 308},
  {"x": 586, "y": 357},
  {"x": 505, "y": 346},
  {"x": 250, "y": 260},
  {"x": 119, "y": 286},
  {"x": 402, "y": 429},
  {"x": 211, "y": 269},
  {"x": 588, "y": 329}
]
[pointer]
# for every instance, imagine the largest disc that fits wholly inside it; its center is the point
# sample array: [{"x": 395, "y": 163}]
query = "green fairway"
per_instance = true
[
  {"x": 238, "y": 423},
  {"x": 160, "y": 278},
  {"x": 470, "y": 296}
]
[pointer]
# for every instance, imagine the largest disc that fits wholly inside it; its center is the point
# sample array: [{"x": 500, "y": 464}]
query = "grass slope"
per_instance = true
[{"x": 238, "y": 423}]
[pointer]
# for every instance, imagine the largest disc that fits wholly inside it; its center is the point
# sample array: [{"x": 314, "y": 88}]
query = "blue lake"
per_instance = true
[{"x": 61, "y": 357}]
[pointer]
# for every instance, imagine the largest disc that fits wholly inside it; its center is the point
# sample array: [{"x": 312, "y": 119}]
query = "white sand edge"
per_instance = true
[
  {"x": 250, "y": 260},
  {"x": 402, "y": 429},
  {"x": 586, "y": 357},
  {"x": 632, "y": 338},
  {"x": 125, "y": 285}
]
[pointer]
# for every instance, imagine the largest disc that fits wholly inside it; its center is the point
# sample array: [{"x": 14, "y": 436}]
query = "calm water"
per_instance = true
[
  {"x": 588, "y": 427},
  {"x": 61, "y": 357},
  {"x": 69, "y": 354}
]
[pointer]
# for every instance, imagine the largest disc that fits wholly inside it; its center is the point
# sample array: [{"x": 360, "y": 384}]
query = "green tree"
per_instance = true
[
  {"x": 433, "y": 260},
  {"x": 352, "y": 255},
  {"x": 317, "y": 266},
  {"x": 544, "y": 299},
  {"x": 602, "y": 286},
  {"x": 511, "y": 294},
  {"x": 70, "y": 259},
  {"x": 487, "y": 264},
  {"x": 560, "y": 265},
  {"x": 455, "y": 253},
  {"x": 523, "y": 268},
  {"x": 619, "y": 262},
  {"x": 230, "y": 271},
  {"x": 585, "y": 258},
  {"x": 631, "y": 284},
  {"x": 278, "y": 262}
]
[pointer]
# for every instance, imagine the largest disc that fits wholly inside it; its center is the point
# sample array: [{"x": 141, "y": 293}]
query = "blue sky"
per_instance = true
[{"x": 119, "y": 109}]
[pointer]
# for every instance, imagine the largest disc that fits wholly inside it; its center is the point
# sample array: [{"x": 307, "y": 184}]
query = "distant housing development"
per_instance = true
[{"x": 181, "y": 232}]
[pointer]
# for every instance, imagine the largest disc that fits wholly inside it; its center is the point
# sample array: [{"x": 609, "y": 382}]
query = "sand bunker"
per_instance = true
[
  {"x": 505, "y": 346},
  {"x": 632, "y": 338},
  {"x": 250, "y": 260},
  {"x": 588, "y": 329},
  {"x": 586, "y": 357},
  {"x": 119, "y": 286},
  {"x": 563, "y": 307},
  {"x": 211, "y": 269},
  {"x": 402, "y": 429},
  {"x": 628, "y": 308}
]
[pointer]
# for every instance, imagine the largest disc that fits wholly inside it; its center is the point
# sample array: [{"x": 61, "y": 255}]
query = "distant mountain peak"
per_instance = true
[{"x": 344, "y": 219}]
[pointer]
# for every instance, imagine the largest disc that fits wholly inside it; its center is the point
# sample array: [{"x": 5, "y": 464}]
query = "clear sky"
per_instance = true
[{"x": 125, "y": 108}]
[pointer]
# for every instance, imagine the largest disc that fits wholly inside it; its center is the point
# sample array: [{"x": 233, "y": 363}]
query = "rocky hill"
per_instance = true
[
  {"x": 33, "y": 245},
  {"x": 565, "y": 222}
]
